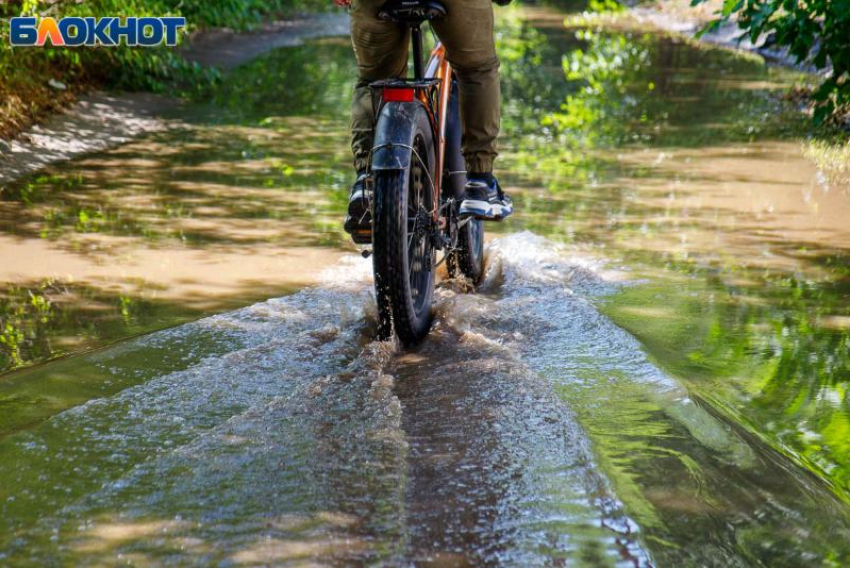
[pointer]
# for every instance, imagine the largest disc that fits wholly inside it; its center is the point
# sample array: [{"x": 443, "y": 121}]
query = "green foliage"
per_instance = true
[
  {"x": 814, "y": 30},
  {"x": 253, "y": 92},
  {"x": 605, "y": 6},
  {"x": 522, "y": 49},
  {"x": 608, "y": 66},
  {"x": 576, "y": 6},
  {"x": 760, "y": 353},
  {"x": 238, "y": 14},
  {"x": 23, "y": 312},
  {"x": 24, "y": 70}
]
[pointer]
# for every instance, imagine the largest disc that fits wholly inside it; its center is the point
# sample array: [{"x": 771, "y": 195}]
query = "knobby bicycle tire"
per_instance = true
[
  {"x": 468, "y": 259},
  {"x": 397, "y": 308}
]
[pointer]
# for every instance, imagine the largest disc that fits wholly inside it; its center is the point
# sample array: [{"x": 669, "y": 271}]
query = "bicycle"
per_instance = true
[{"x": 417, "y": 177}]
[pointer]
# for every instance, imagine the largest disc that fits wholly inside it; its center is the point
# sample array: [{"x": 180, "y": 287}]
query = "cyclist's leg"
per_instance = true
[
  {"x": 467, "y": 33},
  {"x": 381, "y": 50}
]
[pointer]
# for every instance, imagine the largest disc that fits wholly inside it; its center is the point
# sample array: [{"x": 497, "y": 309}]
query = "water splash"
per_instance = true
[
  {"x": 544, "y": 309},
  {"x": 310, "y": 440}
]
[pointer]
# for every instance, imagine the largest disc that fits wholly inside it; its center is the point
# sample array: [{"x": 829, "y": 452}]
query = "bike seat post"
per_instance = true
[
  {"x": 413, "y": 13},
  {"x": 416, "y": 37}
]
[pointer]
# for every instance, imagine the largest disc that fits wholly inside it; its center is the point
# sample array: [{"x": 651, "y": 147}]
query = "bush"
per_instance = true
[{"x": 812, "y": 30}]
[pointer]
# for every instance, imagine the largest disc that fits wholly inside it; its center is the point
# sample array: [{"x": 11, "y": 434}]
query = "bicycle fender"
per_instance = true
[{"x": 394, "y": 133}]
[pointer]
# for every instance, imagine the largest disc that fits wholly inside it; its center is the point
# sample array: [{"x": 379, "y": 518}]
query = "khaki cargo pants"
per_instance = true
[{"x": 382, "y": 53}]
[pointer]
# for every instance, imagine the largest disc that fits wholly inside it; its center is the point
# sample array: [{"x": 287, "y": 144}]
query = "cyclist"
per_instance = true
[{"x": 381, "y": 50}]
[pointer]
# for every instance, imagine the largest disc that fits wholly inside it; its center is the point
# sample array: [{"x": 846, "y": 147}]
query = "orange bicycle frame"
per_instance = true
[{"x": 439, "y": 68}]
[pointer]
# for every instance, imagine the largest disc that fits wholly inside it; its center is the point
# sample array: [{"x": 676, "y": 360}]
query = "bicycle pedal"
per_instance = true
[{"x": 362, "y": 237}]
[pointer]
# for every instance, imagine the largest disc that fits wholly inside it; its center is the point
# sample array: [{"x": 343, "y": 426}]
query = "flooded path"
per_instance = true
[
  {"x": 307, "y": 440},
  {"x": 651, "y": 373}
]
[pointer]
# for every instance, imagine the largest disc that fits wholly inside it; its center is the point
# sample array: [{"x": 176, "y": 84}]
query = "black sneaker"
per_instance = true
[
  {"x": 358, "y": 222},
  {"x": 485, "y": 200}
]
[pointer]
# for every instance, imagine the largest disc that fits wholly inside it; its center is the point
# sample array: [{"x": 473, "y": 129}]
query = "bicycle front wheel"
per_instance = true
[{"x": 402, "y": 250}]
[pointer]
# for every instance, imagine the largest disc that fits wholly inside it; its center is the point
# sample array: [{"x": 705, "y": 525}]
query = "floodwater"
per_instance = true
[{"x": 653, "y": 371}]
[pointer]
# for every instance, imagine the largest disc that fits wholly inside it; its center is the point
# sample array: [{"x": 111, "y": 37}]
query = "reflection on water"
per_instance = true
[
  {"x": 532, "y": 427},
  {"x": 676, "y": 160},
  {"x": 238, "y": 201},
  {"x": 53, "y": 317}
]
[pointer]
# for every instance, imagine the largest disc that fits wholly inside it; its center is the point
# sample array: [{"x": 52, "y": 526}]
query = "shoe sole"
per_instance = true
[{"x": 484, "y": 210}]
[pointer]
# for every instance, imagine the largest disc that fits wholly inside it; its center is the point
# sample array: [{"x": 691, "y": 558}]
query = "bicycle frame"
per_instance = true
[{"x": 439, "y": 68}]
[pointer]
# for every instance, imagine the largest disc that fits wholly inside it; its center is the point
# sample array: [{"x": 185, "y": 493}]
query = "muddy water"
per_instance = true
[
  {"x": 307, "y": 441},
  {"x": 237, "y": 201},
  {"x": 652, "y": 372}
]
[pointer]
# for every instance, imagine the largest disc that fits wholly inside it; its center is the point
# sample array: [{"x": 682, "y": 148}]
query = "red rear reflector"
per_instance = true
[{"x": 398, "y": 95}]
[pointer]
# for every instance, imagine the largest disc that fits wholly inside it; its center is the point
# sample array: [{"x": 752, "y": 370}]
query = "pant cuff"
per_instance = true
[
  {"x": 479, "y": 164},
  {"x": 361, "y": 164}
]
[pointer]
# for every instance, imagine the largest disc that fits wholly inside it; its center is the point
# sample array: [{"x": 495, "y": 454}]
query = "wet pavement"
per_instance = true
[{"x": 653, "y": 371}]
